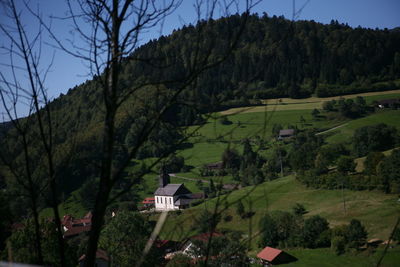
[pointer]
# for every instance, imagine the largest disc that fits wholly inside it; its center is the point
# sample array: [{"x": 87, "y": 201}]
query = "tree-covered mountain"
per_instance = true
[{"x": 274, "y": 57}]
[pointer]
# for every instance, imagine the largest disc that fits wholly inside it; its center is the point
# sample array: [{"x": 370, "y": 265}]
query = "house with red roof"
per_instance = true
[
  {"x": 272, "y": 256},
  {"x": 148, "y": 202},
  {"x": 74, "y": 227}
]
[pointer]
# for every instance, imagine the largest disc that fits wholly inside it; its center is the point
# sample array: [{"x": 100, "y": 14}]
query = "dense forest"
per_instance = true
[
  {"x": 277, "y": 57},
  {"x": 274, "y": 57}
]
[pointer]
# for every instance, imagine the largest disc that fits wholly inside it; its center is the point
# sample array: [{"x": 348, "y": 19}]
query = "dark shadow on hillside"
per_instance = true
[
  {"x": 284, "y": 258},
  {"x": 185, "y": 146}
]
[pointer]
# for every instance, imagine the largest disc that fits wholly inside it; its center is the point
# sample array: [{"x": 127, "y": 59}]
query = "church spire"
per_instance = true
[{"x": 164, "y": 177}]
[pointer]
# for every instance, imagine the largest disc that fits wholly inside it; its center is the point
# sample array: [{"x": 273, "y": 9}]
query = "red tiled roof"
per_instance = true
[
  {"x": 69, "y": 221},
  {"x": 269, "y": 254},
  {"x": 77, "y": 230},
  {"x": 148, "y": 200},
  {"x": 84, "y": 220}
]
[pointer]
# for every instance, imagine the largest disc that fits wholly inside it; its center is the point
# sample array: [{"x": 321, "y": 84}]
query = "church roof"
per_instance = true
[{"x": 172, "y": 190}]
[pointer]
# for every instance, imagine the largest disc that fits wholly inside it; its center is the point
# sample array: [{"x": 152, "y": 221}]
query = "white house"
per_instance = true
[{"x": 171, "y": 196}]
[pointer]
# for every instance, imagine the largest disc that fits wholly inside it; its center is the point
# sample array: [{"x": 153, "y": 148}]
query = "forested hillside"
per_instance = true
[
  {"x": 277, "y": 57},
  {"x": 274, "y": 58}
]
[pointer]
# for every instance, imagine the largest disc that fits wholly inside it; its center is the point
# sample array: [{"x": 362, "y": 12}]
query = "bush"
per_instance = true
[
  {"x": 175, "y": 163},
  {"x": 356, "y": 234},
  {"x": 299, "y": 209},
  {"x": 338, "y": 245},
  {"x": 240, "y": 209},
  {"x": 378, "y": 137},
  {"x": 313, "y": 228}
]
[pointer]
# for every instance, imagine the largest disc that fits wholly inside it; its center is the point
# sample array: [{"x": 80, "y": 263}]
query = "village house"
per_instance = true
[
  {"x": 286, "y": 134},
  {"x": 389, "y": 103},
  {"x": 188, "y": 247},
  {"x": 74, "y": 227}
]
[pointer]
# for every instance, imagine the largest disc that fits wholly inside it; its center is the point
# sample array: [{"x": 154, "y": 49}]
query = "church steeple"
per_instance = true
[{"x": 163, "y": 179}]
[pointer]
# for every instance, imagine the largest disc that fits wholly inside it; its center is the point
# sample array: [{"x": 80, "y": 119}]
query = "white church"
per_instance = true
[{"x": 172, "y": 196}]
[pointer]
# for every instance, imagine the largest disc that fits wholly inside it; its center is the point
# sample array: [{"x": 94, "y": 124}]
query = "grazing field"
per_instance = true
[
  {"x": 325, "y": 257},
  {"x": 360, "y": 161},
  {"x": 376, "y": 210},
  {"x": 69, "y": 206},
  {"x": 343, "y": 134},
  {"x": 213, "y": 137},
  {"x": 279, "y": 104}
]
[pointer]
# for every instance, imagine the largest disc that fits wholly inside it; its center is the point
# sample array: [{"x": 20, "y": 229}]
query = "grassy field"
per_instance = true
[
  {"x": 213, "y": 138},
  {"x": 377, "y": 211},
  {"x": 210, "y": 140},
  {"x": 325, "y": 257},
  {"x": 343, "y": 134},
  {"x": 280, "y": 104},
  {"x": 70, "y": 206},
  {"x": 360, "y": 161}
]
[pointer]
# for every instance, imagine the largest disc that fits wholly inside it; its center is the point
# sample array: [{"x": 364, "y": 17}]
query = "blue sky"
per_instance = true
[{"x": 66, "y": 72}]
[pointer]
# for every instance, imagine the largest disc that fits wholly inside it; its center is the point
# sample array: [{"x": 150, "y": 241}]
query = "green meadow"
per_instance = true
[
  {"x": 342, "y": 134},
  {"x": 377, "y": 211},
  {"x": 325, "y": 257}
]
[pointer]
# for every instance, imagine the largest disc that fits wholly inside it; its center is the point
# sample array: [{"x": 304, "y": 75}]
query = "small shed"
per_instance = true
[
  {"x": 216, "y": 166},
  {"x": 272, "y": 256},
  {"x": 286, "y": 134}
]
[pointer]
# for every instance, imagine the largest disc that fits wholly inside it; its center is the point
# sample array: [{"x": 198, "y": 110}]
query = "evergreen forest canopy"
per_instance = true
[
  {"x": 275, "y": 57},
  {"x": 278, "y": 58}
]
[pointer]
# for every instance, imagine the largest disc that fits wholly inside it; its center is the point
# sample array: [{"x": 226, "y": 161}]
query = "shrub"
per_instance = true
[{"x": 338, "y": 245}]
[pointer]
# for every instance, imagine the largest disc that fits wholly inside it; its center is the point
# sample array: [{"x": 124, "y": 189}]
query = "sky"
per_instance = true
[{"x": 67, "y": 72}]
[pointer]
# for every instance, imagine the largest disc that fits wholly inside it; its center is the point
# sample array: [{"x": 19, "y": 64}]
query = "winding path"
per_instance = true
[{"x": 331, "y": 129}]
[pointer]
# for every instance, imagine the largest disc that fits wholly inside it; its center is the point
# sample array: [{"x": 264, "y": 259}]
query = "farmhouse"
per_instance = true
[
  {"x": 272, "y": 256},
  {"x": 285, "y": 134},
  {"x": 389, "y": 103},
  {"x": 189, "y": 247},
  {"x": 172, "y": 196},
  {"x": 74, "y": 227}
]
